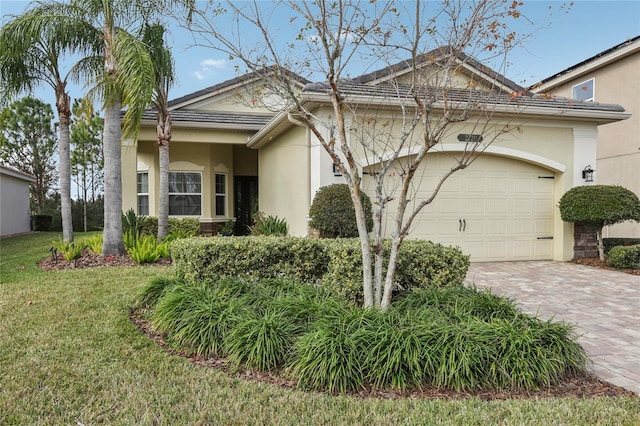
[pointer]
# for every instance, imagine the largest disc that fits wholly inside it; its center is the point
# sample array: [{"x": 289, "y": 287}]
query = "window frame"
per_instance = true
[
  {"x": 593, "y": 90},
  {"x": 143, "y": 194},
  {"x": 195, "y": 172},
  {"x": 217, "y": 194}
]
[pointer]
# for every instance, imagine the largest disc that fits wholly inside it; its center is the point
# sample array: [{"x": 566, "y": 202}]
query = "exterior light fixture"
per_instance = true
[{"x": 587, "y": 174}]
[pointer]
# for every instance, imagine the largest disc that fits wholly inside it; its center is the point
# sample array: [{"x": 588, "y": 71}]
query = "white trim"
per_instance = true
[
  {"x": 188, "y": 193},
  {"x": 593, "y": 90},
  {"x": 585, "y": 139},
  {"x": 142, "y": 166},
  {"x": 216, "y": 194},
  {"x": 184, "y": 166},
  {"x": 495, "y": 150}
]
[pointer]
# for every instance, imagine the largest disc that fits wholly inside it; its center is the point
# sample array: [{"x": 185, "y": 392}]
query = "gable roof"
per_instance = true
[
  {"x": 183, "y": 116},
  {"x": 226, "y": 86},
  {"x": 593, "y": 63},
  {"x": 470, "y": 64}
]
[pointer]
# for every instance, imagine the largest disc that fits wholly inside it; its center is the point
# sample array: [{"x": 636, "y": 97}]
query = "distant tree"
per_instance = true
[
  {"x": 599, "y": 206},
  {"x": 28, "y": 143},
  {"x": 31, "y": 47},
  {"x": 86, "y": 154}
]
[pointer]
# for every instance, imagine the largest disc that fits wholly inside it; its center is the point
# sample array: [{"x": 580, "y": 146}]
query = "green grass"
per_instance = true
[{"x": 69, "y": 355}]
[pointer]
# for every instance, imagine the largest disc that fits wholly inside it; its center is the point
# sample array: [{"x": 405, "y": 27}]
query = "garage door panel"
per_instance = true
[
  {"x": 497, "y": 226},
  {"x": 522, "y": 206},
  {"x": 498, "y": 206},
  {"x": 505, "y": 205}
]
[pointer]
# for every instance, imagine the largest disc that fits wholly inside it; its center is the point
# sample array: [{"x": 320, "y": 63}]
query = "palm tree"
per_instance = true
[
  {"x": 164, "y": 79},
  {"x": 127, "y": 81},
  {"x": 30, "y": 48}
]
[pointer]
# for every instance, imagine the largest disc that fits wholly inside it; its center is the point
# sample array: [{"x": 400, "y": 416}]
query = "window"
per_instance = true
[
  {"x": 143, "y": 193},
  {"x": 584, "y": 91},
  {"x": 185, "y": 193},
  {"x": 336, "y": 170},
  {"x": 221, "y": 194}
]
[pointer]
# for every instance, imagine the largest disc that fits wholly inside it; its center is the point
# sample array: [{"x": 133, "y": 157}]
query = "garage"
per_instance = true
[{"x": 497, "y": 209}]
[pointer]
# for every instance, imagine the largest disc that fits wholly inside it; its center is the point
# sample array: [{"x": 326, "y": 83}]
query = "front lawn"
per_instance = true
[{"x": 70, "y": 355}]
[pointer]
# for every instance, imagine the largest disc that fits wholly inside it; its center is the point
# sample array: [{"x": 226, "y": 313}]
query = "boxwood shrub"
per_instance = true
[
  {"x": 187, "y": 226},
  {"x": 625, "y": 257},
  {"x": 333, "y": 264}
]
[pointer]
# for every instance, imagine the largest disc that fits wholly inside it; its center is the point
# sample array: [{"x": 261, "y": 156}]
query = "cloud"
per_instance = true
[{"x": 209, "y": 66}]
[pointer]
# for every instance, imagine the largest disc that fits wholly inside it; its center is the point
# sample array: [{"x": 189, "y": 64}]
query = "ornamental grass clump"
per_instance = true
[{"x": 455, "y": 338}]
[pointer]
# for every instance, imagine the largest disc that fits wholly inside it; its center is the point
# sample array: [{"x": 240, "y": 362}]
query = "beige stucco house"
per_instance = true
[
  {"x": 612, "y": 76},
  {"x": 15, "y": 213},
  {"x": 229, "y": 152}
]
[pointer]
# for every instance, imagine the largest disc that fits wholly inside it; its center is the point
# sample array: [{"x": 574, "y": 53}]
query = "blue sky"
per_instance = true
[{"x": 560, "y": 40}]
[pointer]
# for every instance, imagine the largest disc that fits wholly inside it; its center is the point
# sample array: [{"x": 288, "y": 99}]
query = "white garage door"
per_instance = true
[{"x": 497, "y": 209}]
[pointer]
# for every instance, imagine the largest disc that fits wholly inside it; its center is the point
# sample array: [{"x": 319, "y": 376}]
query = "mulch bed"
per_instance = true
[
  {"x": 575, "y": 387},
  {"x": 92, "y": 260}
]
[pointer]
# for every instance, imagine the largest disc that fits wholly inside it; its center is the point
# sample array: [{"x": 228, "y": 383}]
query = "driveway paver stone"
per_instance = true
[{"x": 603, "y": 306}]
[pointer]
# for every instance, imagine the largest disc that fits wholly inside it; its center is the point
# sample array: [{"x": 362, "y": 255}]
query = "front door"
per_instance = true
[{"x": 246, "y": 202}]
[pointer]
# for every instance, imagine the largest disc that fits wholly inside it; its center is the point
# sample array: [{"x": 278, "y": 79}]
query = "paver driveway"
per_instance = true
[{"x": 603, "y": 305}]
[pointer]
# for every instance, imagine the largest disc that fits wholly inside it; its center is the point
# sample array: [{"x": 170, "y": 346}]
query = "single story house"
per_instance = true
[
  {"x": 609, "y": 76},
  {"x": 235, "y": 150},
  {"x": 15, "y": 217}
]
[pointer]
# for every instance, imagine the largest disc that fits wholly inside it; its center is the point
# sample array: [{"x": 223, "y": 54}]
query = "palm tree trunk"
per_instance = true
[
  {"x": 64, "y": 113},
  {"x": 112, "y": 243},
  {"x": 164, "y": 138}
]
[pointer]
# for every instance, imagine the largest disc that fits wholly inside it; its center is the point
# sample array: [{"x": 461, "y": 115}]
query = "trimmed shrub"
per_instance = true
[
  {"x": 201, "y": 259},
  {"x": 599, "y": 205},
  {"x": 610, "y": 243},
  {"x": 625, "y": 257},
  {"x": 334, "y": 264},
  {"x": 332, "y": 212},
  {"x": 421, "y": 264},
  {"x": 182, "y": 227}
]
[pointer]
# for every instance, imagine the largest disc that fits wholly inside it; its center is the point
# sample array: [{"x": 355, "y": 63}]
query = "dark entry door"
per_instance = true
[{"x": 246, "y": 202}]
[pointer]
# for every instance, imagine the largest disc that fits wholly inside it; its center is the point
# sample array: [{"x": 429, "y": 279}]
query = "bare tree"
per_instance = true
[{"x": 381, "y": 126}]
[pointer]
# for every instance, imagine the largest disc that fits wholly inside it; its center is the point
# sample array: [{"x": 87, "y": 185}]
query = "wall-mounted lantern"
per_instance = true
[{"x": 587, "y": 174}]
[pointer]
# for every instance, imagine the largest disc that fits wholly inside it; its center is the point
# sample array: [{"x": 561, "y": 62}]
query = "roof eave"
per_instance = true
[
  {"x": 201, "y": 125},
  {"x": 586, "y": 67}
]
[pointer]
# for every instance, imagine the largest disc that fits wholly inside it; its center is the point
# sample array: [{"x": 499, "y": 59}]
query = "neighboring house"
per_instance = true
[
  {"x": 15, "y": 215},
  {"x": 502, "y": 207},
  {"x": 612, "y": 76}
]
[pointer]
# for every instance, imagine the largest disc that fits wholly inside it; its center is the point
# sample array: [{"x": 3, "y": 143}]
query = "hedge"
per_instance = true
[
  {"x": 625, "y": 257},
  {"x": 187, "y": 226},
  {"x": 610, "y": 243},
  {"x": 333, "y": 264}
]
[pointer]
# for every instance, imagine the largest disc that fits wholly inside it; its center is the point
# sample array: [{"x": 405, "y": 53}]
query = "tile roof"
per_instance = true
[
  {"x": 224, "y": 119},
  {"x": 228, "y": 84},
  {"x": 433, "y": 57},
  {"x": 521, "y": 99}
]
